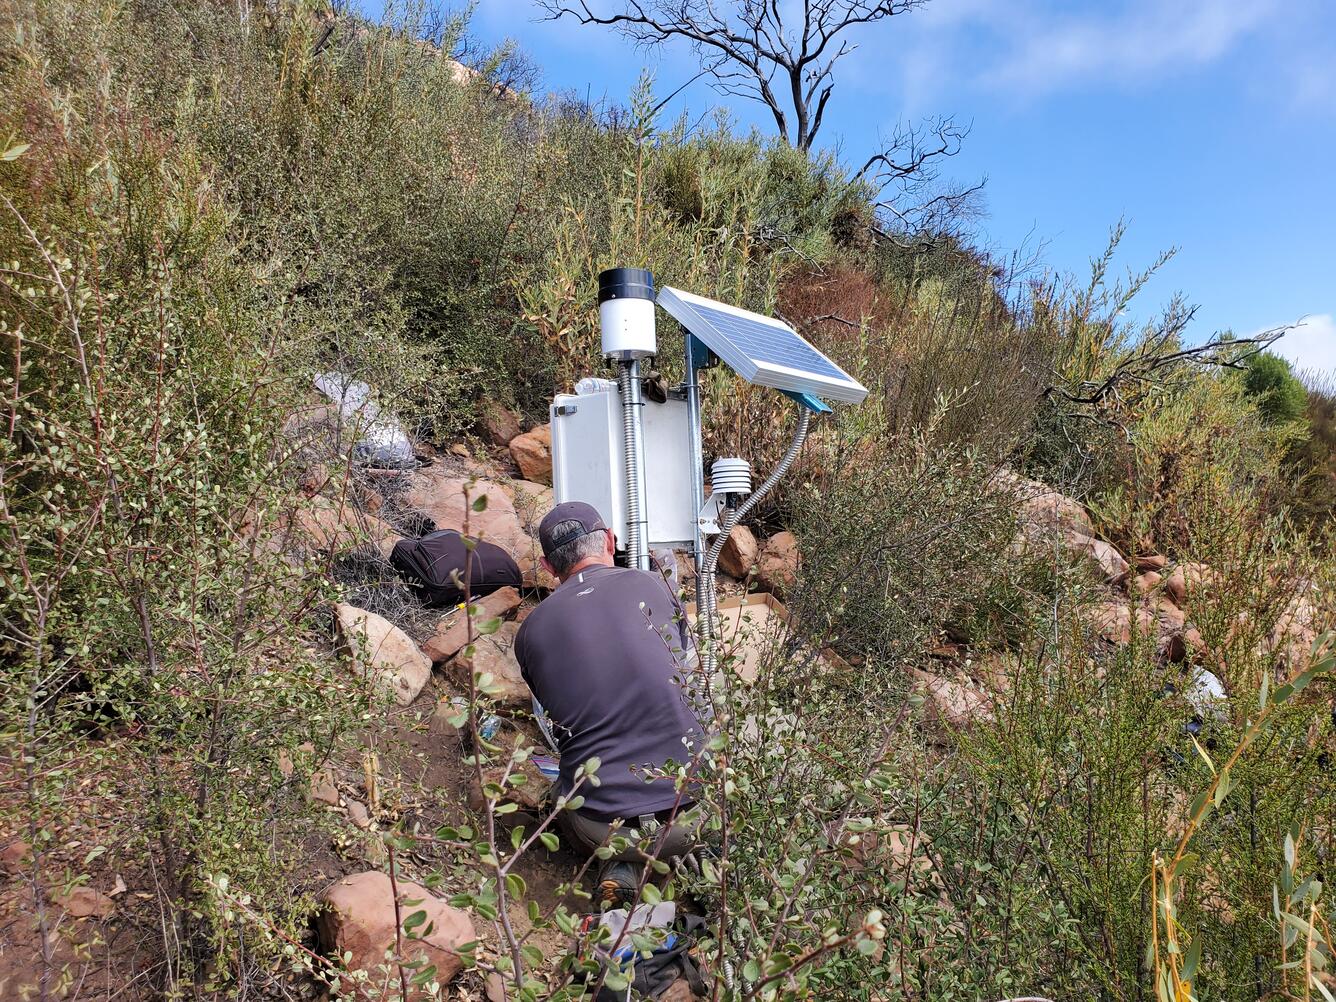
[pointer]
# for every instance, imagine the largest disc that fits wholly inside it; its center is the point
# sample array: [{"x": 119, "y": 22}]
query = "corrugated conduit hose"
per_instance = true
[
  {"x": 630, "y": 392},
  {"x": 707, "y": 599}
]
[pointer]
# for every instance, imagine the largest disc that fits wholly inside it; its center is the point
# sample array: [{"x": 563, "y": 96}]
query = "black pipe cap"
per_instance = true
[{"x": 625, "y": 283}]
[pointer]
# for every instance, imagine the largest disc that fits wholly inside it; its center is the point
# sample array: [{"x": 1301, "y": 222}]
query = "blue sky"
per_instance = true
[{"x": 1209, "y": 125}]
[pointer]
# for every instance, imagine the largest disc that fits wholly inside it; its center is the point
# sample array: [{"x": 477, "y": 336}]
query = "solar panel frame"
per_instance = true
[{"x": 701, "y": 316}]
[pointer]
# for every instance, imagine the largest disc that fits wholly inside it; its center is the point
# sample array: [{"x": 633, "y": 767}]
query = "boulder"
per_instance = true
[
  {"x": 495, "y": 654},
  {"x": 1105, "y": 555},
  {"x": 953, "y": 703},
  {"x": 777, "y": 566},
  {"x": 1042, "y": 508},
  {"x": 1114, "y": 621},
  {"x": 1186, "y": 582},
  {"x": 452, "y": 632},
  {"x": 1172, "y": 624},
  {"x": 1168, "y": 616},
  {"x": 1144, "y": 584},
  {"x": 84, "y": 902},
  {"x": 532, "y": 501},
  {"x": 1193, "y": 644},
  {"x": 314, "y": 422},
  {"x": 739, "y": 554},
  {"x": 399, "y": 669},
  {"x": 358, "y": 814},
  {"x": 337, "y": 526},
  {"x": 1111, "y": 620},
  {"x": 441, "y": 497},
  {"x": 995, "y": 671},
  {"x": 532, "y": 453},
  {"x": 358, "y": 918},
  {"x": 530, "y": 796},
  {"x": 498, "y": 424},
  {"x": 1151, "y": 562},
  {"x": 1294, "y": 635},
  {"x": 532, "y": 572},
  {"x": 314, "y": 479}
]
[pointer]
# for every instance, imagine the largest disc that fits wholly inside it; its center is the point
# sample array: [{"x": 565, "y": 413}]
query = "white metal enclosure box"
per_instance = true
[{"x": 588, "y": 462}]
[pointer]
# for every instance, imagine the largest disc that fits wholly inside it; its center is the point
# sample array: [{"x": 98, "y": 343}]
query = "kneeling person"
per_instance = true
[{"x": 605, "y": 654}]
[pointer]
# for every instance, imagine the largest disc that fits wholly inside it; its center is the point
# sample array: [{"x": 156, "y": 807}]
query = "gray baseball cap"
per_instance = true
[{"x": 568, "y": 511}]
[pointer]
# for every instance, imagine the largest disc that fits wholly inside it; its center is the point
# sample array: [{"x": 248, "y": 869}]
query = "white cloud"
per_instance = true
[
  {"x": 1311, "y": 345},
  {"x": 1029, "y": 48},
  {"x": 1144, "y": 39}
]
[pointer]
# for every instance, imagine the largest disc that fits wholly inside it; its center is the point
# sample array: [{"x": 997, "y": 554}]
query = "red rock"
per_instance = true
[
  {"x": 495, "y": 654},
  {"x": 84, "y": 902},
  {"x": 1106, "y": 556},
  {"x": 315, "y": 479},
  {"x": 955, "y": 703},
  {"x": 13, "y": 855},
  {"x": 452, "y": 631},
  {"x": 358, "y": 814},
  {"x": 323, "y": 789},
  {"x": 441, "y": 497},
  {"x": 532, "y": 572},
  {"x": 777, "y": 567},
  {"x": 498, "y": 424},
  {"x": 1169, "y": 617},
  {"x": 358, "y": 918},
  {"x": 1114, "y": 621},
  {"x": 1151, "y": 562},
  {"x": 532, "y": 501},
  {"x": 1293, "y": 639},
  {"x": 397, "y": 667},
  {"x": 339, "y": 526},
  {"x": 1144, "y": 584},
  {"x": 1042, "y": 509},
  {"x": 532, "y": 453},
  {"x": 739, "y": 554},
  {"x": 1186, "y": 582}
]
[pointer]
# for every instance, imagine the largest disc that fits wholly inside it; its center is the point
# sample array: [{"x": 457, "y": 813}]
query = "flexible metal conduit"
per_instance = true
[
  {"x": 707, "y": 600},
  {"x": 637, "y": 550}
]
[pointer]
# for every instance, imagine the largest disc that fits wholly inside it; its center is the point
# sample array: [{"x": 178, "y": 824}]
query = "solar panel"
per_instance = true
[{"x": 760, "y": 349}]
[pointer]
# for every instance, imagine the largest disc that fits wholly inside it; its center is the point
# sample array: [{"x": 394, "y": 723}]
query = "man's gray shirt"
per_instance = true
[{"x": 604, "y": 655}]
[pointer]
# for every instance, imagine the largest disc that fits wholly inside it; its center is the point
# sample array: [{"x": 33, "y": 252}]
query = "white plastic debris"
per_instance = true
[
  {"x": 380, "y": 440},
  {"x": 1205, "y": 692}
]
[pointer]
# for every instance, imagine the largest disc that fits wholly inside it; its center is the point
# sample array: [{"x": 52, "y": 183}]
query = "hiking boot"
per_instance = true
[{"x": 617, "y": 883}]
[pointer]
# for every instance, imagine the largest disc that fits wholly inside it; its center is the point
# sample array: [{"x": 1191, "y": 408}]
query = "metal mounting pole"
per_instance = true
[{"x": 692, "y": 371}]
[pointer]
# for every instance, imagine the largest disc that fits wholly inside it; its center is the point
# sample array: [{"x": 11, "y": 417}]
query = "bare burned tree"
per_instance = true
[
  {"x": 751, "y": 48},
  {"x": 783, "y": 54}
]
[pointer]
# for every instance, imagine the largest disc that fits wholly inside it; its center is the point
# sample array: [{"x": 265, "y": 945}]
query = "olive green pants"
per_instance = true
[{"x": 666, "y": 842}]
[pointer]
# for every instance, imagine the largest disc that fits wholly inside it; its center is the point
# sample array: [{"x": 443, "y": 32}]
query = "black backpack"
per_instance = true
[
  {"x": 655, "y": 974},
  {"x": 434, "y": 566}
]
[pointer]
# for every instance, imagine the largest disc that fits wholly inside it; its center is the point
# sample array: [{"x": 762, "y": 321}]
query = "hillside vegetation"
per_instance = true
[{"x": 1052, "y": 717}]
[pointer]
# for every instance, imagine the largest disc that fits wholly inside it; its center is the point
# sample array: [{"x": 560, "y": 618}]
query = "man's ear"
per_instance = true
[
  {"x": 548, "y": 567},
  {"x": 610, "y": 543}
]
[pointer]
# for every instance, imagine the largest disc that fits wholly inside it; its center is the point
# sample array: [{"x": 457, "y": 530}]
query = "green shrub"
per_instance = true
[{"x": 1273, "y": 384}]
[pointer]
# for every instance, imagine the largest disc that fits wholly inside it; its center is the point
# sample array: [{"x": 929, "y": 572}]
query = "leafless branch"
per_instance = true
[
  {"x": 751, "y": 51},
  {"x": 1150, "y": 361}
]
